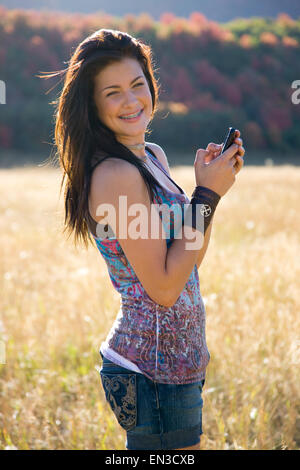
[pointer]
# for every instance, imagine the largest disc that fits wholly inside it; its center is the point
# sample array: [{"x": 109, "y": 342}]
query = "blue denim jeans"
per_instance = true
[{"x": 155, "y": 416}]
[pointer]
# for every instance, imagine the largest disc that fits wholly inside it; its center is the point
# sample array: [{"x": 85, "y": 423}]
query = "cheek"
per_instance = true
[
  {"x": 149, "y": 99},
  {"x": 146, "y": 101},
  {"x": 104, "y": 110},
  {"x": 148, "y": 94}
]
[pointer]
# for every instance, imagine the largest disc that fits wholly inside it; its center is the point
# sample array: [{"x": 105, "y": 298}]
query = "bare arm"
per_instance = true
[{"x": 159, "y": 152}]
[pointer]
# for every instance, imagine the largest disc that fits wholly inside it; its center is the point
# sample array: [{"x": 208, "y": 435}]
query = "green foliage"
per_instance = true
[{"x": 196, "y": 129}]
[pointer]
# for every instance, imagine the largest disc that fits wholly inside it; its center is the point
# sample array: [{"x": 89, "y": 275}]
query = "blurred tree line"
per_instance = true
[{"x": 212, "y": 76}]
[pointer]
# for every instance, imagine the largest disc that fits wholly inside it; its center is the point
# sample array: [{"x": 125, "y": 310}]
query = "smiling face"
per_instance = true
[{"x": 121, "y": 89}]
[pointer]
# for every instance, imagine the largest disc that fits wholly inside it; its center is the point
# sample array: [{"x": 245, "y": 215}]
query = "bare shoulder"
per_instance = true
[
  {"x": 113, "y": 170},
  {"x": 111, "y": 164},
  {"x": 159, "y": 152},
  {"x": 111, "y": 178}
]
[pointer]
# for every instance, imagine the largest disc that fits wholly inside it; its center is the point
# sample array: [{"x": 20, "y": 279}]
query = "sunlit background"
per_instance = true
[{"x": 218, "y": 67}]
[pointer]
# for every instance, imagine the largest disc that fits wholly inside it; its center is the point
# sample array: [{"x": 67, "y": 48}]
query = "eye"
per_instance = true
[{"x": 113, "y": 92}]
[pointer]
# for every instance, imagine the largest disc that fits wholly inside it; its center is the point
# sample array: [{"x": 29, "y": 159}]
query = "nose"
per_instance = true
[{"x": 130, "y": 99}]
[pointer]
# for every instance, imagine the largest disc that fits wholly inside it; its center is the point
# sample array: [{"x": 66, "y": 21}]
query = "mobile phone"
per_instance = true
[{"x": 229, "y": 139}]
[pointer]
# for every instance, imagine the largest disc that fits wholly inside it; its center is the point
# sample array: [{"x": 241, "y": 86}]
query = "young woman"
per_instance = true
[{"x": 155, "y": 356}]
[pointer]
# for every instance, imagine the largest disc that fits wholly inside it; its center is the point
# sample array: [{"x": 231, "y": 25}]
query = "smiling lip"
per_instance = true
[{"x": 135, "y": 118}]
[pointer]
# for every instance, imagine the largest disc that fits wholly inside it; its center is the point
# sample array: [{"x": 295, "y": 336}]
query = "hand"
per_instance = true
[
  {"x": 240, "y": 153},
  {"x": 216, "y": 171},
  {"x": 214, "y": 150}
]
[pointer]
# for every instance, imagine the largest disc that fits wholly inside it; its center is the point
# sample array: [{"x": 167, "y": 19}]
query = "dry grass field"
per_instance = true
[{"x": 57, "y": 304}]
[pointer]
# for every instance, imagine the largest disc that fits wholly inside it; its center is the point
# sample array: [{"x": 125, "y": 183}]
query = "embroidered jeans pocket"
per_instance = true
[{"x": 120, "y": 392}]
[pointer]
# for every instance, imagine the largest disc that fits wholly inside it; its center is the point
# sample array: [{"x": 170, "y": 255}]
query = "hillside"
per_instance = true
[{"x": 217, "y": 10}]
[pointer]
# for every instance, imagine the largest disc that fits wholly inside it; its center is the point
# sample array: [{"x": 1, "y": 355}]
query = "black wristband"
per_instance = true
[{"x": 201, "y": 208}]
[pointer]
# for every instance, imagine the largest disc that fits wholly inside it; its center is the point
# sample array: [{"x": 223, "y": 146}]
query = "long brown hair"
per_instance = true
[{"x": 81, "y": 139}]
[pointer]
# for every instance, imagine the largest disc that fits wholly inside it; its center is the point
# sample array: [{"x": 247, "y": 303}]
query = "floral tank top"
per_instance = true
[{"x": 166, "y": 344}]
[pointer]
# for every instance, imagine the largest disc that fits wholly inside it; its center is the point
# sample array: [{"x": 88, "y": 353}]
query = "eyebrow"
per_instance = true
[{"x": 118, "y": 86}]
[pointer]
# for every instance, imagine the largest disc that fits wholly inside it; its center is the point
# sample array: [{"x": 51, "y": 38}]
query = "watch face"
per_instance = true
[{"x": 205, "y": 210}]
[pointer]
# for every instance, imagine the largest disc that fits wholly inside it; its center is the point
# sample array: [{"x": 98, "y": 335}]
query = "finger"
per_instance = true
[
  {"x": 212, "y": 157},
  {"x": 201, "y": 156},
  {"x": 241, "y": 151},
  {"x": 229, "y": 153},
  {"x": 238, "y": 141},
  {"x": 213, "y": 147},
  {"x": 213, "y": 151},
  {"x": 239, "y": 164}
]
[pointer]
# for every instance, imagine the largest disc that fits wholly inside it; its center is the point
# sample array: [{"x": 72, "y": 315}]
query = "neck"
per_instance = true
[
  {"x": 137, "y": 146},
  {"x": 138, "y": 150}
]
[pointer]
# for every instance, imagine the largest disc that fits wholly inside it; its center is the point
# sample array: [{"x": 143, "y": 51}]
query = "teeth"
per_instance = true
[{"x": 131, "y": 115}]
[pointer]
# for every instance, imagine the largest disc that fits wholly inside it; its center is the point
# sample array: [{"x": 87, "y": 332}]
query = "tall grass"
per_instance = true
[{"x": 57, "y": 305}]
